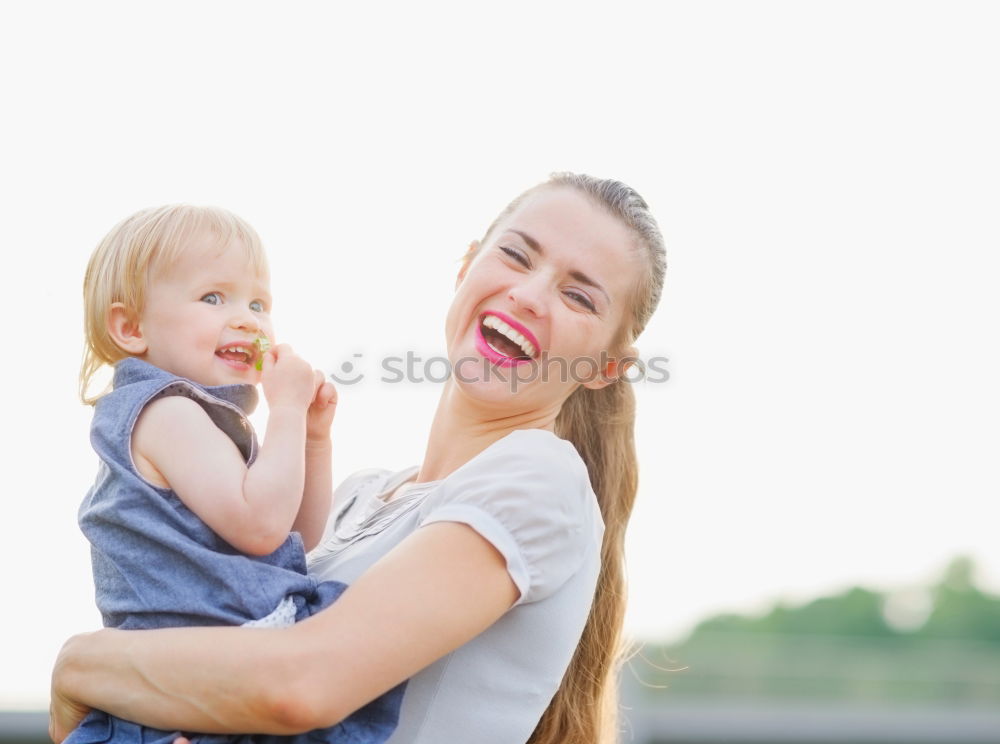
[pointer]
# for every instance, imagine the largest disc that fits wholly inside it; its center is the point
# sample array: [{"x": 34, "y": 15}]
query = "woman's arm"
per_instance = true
[{"x": 436, "y": 590}]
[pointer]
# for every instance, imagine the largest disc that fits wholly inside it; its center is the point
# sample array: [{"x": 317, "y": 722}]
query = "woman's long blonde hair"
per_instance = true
[
  {"x": 600, "y": 425},
  {"x": 121, "y": 266}
]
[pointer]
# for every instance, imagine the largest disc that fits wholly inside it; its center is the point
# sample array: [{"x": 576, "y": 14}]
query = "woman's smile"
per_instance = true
[{"x": 504, "y": 341}]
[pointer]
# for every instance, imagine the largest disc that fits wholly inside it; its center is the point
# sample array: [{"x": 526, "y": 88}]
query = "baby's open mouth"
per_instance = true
[
  {"x": 243, "y": 353},
  {"x": 505, "y": 340}
]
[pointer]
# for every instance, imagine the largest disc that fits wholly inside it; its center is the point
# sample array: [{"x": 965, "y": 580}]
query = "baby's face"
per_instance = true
[{"x": 205, "y": 312}]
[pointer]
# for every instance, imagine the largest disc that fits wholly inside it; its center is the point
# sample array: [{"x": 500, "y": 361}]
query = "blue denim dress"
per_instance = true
[{"x": 157, "y": 565}]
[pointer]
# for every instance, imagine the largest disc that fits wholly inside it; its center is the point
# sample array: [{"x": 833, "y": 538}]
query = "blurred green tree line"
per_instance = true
[{"x": 940, "y": 642}]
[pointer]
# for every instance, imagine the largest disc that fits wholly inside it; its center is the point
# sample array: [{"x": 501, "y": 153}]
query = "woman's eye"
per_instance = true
[
  {"x": 212, "y": 298},
  {"x": 257, "y": 306},
  {"x": 516, "y": 255},
  {"x": 581, "y": 300}
]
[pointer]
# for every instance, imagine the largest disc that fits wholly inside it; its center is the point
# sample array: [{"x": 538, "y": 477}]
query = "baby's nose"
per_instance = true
[{"x": 245, "y": 321}]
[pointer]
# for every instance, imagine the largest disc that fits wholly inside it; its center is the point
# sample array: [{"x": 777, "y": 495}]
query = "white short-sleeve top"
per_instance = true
[{"x": 529, "y": 495}]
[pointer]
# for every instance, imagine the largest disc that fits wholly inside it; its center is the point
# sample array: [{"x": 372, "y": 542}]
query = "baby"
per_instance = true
[{"x": 190, "y": 521}]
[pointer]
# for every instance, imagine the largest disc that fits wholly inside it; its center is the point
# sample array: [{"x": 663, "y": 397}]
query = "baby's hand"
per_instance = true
[
  {"x": 287, "y": 379},
  {"x": 319, "y": 417}
]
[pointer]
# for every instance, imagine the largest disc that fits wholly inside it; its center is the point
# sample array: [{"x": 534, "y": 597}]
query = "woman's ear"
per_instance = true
[
  {"x": 470, "y": 252},
  {"x": 125, "y": 330},
  {"x": 613, "y": 368}
]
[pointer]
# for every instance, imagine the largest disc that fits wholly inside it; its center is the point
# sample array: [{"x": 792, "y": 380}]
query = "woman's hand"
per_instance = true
[
  {"x": 64, "y": 716},
  {"x": 64, "y": 713}
]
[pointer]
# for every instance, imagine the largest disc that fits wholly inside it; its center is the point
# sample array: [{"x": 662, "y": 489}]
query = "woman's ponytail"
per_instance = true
[{"x": 600, "y": 424}]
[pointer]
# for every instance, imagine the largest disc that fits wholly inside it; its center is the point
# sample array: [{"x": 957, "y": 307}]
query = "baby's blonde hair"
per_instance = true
[{"x": 136, "y": 249}]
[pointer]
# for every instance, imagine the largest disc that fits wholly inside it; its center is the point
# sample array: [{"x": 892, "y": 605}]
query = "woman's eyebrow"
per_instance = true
[
  {"x": 532, "y": 243},
  {"x": 578, "y": 275}
]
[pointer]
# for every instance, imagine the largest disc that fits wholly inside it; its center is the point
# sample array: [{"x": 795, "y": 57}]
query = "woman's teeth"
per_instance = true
[{"x": 491, "y": 321}]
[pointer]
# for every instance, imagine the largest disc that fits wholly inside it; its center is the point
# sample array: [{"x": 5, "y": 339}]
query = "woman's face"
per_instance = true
[{"x": 539, "y": 305}]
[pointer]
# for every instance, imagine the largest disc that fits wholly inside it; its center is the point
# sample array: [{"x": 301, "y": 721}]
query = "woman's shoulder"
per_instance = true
[
  {"x": 528, "y": 475},
  {"x": 529, "y": 495},
  {"x": 537, "y": 454}
]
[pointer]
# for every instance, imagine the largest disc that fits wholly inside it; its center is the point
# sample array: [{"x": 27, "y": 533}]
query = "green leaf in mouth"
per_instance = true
[{"x": 263, "y": 344}]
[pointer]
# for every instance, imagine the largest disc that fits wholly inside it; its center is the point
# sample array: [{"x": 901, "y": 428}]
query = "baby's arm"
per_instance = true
[
  {"x": 253, "y": 509},
  {"x": 318, "y": 494}
]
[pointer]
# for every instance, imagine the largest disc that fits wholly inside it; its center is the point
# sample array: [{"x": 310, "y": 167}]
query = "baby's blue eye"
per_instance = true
[
  {"x": 212, "y": 298},
  {"x": 257, "y": 306}
]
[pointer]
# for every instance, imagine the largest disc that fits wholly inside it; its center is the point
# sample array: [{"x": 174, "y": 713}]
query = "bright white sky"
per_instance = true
[{"x": 826, "y": 175}]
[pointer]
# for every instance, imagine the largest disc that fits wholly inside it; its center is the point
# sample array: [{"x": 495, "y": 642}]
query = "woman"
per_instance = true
[{"x": 491, "y": 576}]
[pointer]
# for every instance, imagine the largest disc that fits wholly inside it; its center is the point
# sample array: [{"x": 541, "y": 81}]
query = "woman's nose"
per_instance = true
[{"x": 529, "y": 295}]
